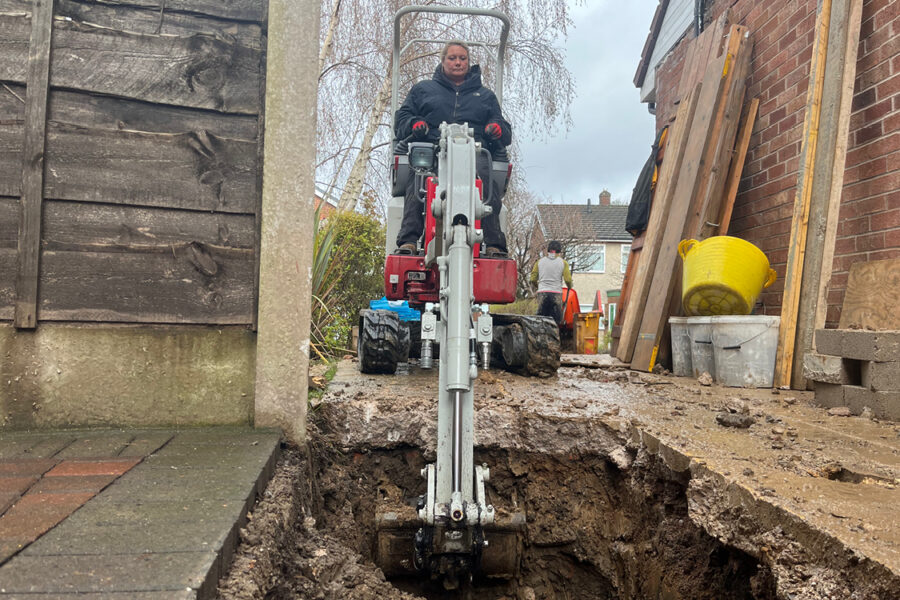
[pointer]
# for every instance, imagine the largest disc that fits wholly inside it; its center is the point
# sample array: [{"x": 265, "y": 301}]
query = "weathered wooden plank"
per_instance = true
[
  {"x": 653, "y": 321},
  {"x": 194, "y": 171},
  {"x": 737, "y": 167},
  {"x": 33, "y": 157},
  {"x": 9, "y": 223},
  {"x": 787, "y": 335},
  {"x": 105, "y": 112},
  {"x": 196, "y": 71},
  {"x": 109, "y": 228},
  {"x": 239, "y": 10},
  {"x": 191, "y": 283},
  {"x": 828, "y": 184},
  {"x": 11, "y": 136},
  {"x": 679, "y": 132}
]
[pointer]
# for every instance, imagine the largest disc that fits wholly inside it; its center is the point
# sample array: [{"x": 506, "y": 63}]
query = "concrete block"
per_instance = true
[
  {"x": 829, "y": 395},
  {"x": 859, "y": 344},
  {"x": 829, "y": 369},
  {"x": 880, "y": 376},
  {"x": 884, "y": 405},
  {"x": 828, "y": 341}
]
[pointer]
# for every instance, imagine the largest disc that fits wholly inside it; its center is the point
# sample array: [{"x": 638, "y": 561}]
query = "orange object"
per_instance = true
[{"x": 570, "y": 308}]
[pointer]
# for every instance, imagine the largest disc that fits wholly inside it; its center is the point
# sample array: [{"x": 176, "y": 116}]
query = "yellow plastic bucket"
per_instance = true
[{"x": 722, "y": 275}]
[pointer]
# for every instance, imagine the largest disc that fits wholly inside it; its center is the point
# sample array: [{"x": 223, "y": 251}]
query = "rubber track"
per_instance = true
[
  {"x": 383, "y": 341},
  {"x": 542, "y": 342}
]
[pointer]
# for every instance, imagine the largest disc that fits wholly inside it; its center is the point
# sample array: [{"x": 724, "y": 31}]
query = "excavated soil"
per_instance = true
[{"x": 604, "y": 521}]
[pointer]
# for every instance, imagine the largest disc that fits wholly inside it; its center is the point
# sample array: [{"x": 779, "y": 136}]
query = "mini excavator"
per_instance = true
[{"x": 454, "y": 533}]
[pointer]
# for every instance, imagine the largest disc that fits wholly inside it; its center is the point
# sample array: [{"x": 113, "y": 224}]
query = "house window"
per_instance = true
[
  {"x": 626, "y": 252},
  {"x": 595, "y": 258}
]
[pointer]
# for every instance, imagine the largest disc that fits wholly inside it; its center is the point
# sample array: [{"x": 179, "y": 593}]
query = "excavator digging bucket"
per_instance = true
[{"x": 395, "y": 545}]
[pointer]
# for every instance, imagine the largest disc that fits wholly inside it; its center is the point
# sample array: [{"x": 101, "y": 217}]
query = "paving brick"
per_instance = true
[
  {"x": 828, "y": 341},
  {"x": 88, "y": 483},
  {"x": 884, "y": 405},
  {"x": 830, "y": 369},
  {"x": 35, "y": 514},
  {"x": 880, "y": 376},
  {"x": 829, "y": 395},
  {"x": 108, "y": 466},
  {"x": 26, "y": 466},
  {"x": 16, "y": 485}
]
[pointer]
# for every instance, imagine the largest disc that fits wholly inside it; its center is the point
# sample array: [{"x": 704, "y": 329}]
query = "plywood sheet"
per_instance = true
[{"x": 870, "y": 301}]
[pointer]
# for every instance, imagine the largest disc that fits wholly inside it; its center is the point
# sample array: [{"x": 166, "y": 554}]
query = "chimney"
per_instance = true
[{"x": 604, "y": 198}]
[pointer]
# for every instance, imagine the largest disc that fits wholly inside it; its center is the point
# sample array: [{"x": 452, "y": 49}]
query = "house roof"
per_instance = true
[{"x": 584, "y": 222}]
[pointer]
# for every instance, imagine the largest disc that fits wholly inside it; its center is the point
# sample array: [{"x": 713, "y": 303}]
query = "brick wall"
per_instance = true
[{"x": 869, "y": 222}]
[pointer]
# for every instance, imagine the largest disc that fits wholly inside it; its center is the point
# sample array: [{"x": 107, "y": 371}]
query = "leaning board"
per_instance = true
[{"x": 870, "y": 301}]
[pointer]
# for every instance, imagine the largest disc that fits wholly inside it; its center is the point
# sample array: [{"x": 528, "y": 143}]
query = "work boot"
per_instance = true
[
  {"x": 494, "y": 252},
  {"x": 406, "y": 249}
]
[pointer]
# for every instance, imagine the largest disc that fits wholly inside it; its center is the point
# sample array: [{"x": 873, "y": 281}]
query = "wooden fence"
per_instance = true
[{"x": 130, "y": 160}]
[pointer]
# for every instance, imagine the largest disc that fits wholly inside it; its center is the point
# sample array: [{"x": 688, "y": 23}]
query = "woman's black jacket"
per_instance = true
[{"x": 437, "y": 99}]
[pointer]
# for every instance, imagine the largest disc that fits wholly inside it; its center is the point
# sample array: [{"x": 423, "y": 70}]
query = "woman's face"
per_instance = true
[{"x": 456, "y": 64}]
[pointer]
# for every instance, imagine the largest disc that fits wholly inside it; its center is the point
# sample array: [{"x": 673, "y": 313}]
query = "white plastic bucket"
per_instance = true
[
  {"x": 702, "y": 357},
  {"x": 745, "y": 348},
  {"x": 681, "y": 347}
]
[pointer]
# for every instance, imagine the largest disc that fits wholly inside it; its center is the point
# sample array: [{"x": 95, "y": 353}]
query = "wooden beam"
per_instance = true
[
  {"x": 38, "y": 83},
  {"x": 656, "y": 225},
  {"x": 737, "y": 167},
  {"x": 828, "y": 178},
  {"x": 787, "y": 334}
]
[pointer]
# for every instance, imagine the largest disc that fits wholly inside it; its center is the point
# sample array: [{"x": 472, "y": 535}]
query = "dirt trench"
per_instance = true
[{"x": 593, "y": 531}]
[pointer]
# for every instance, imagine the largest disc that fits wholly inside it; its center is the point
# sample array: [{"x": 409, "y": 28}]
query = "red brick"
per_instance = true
[
  {"x": 26, "y": 466},
  {"x": 863, "y": 99},
  {"x": 113, "y": 466},
  {"x": 854, "y": 226},
  {"x": 17, "y": 485},
  {"x": 892, "y": 123},
  {"x": 35, "y": 514},
  {"x": 870, "y": 242},
  {"x": 889, "y": 87},
  {"x": 882, "y": 147},
  {"x": 90, "y": 483},
  {"x": 886, "y": 220},
  {"x": 868, "y": 133}
]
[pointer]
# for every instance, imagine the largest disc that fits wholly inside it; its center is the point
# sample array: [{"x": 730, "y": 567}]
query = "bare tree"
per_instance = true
[{"x": 354, "y": 124}]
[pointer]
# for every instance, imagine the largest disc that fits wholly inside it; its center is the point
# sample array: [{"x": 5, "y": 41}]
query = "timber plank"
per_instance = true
[
  {"x": 793, "y": 278},
  {"x": 9, "y": 219},
  {"x": 7, "y": 277},
  {"x": 106, "y": 112},
  {"x": 11, "y": 134},
  {"x": 653, "y": 321},
  {"x": 150, "y": 20},
  {"x": 240, "y": 10},
  {"x": 679, "y": 132},
  {"x": 737, "y": 167},
  {"x": 33, "y": 160},
  {"x": 195, "y": 170},
  {"x": 198, "y": 71},
  {"x": 703, "y": 48},
  {"x": 191, "y": 283},
  {"x": 634, "y": 255},
  {"x": 828, "y": 177},
  {"x": 116, "y": 228},
  {"x": 870, "y": 301}
]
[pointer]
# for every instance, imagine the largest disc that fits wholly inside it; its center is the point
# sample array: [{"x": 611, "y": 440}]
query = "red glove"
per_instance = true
[
  {"x": 420, "y": 128},
  {"x": 493, "y": 131}
]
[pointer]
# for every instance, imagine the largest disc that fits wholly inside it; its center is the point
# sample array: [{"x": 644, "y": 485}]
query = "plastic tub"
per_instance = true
[
  {"x": 745, "y": 348},
  {"x": 722, "y": 275},
  {"x": 681, "y": 347},
  {"x": 702, "y": 358}
]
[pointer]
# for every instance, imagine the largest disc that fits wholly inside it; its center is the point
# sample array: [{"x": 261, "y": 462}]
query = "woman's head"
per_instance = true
[{"x": 455, "y": 60}]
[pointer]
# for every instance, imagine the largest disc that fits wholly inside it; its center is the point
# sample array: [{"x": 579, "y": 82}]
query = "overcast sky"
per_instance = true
[{"x": 612, "y": 131}]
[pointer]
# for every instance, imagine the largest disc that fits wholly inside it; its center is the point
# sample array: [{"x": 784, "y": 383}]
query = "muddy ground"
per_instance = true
[{"x": 632, "y": 485}]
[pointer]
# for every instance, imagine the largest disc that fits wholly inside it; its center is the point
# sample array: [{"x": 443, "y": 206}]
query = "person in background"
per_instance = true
[
  {"x": 454, "y": 94},
  {"x": 548, "y": 275}
]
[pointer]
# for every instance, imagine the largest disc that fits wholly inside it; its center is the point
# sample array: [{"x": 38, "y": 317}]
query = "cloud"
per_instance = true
[{"x": 612, "y": 131}]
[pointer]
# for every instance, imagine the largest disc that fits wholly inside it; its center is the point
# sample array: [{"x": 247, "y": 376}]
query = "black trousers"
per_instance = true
[{"x": 413, "y": 224}]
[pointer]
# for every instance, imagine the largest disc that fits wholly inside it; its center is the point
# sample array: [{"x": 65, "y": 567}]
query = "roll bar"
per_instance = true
[{"x": 498, "y": 58}]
